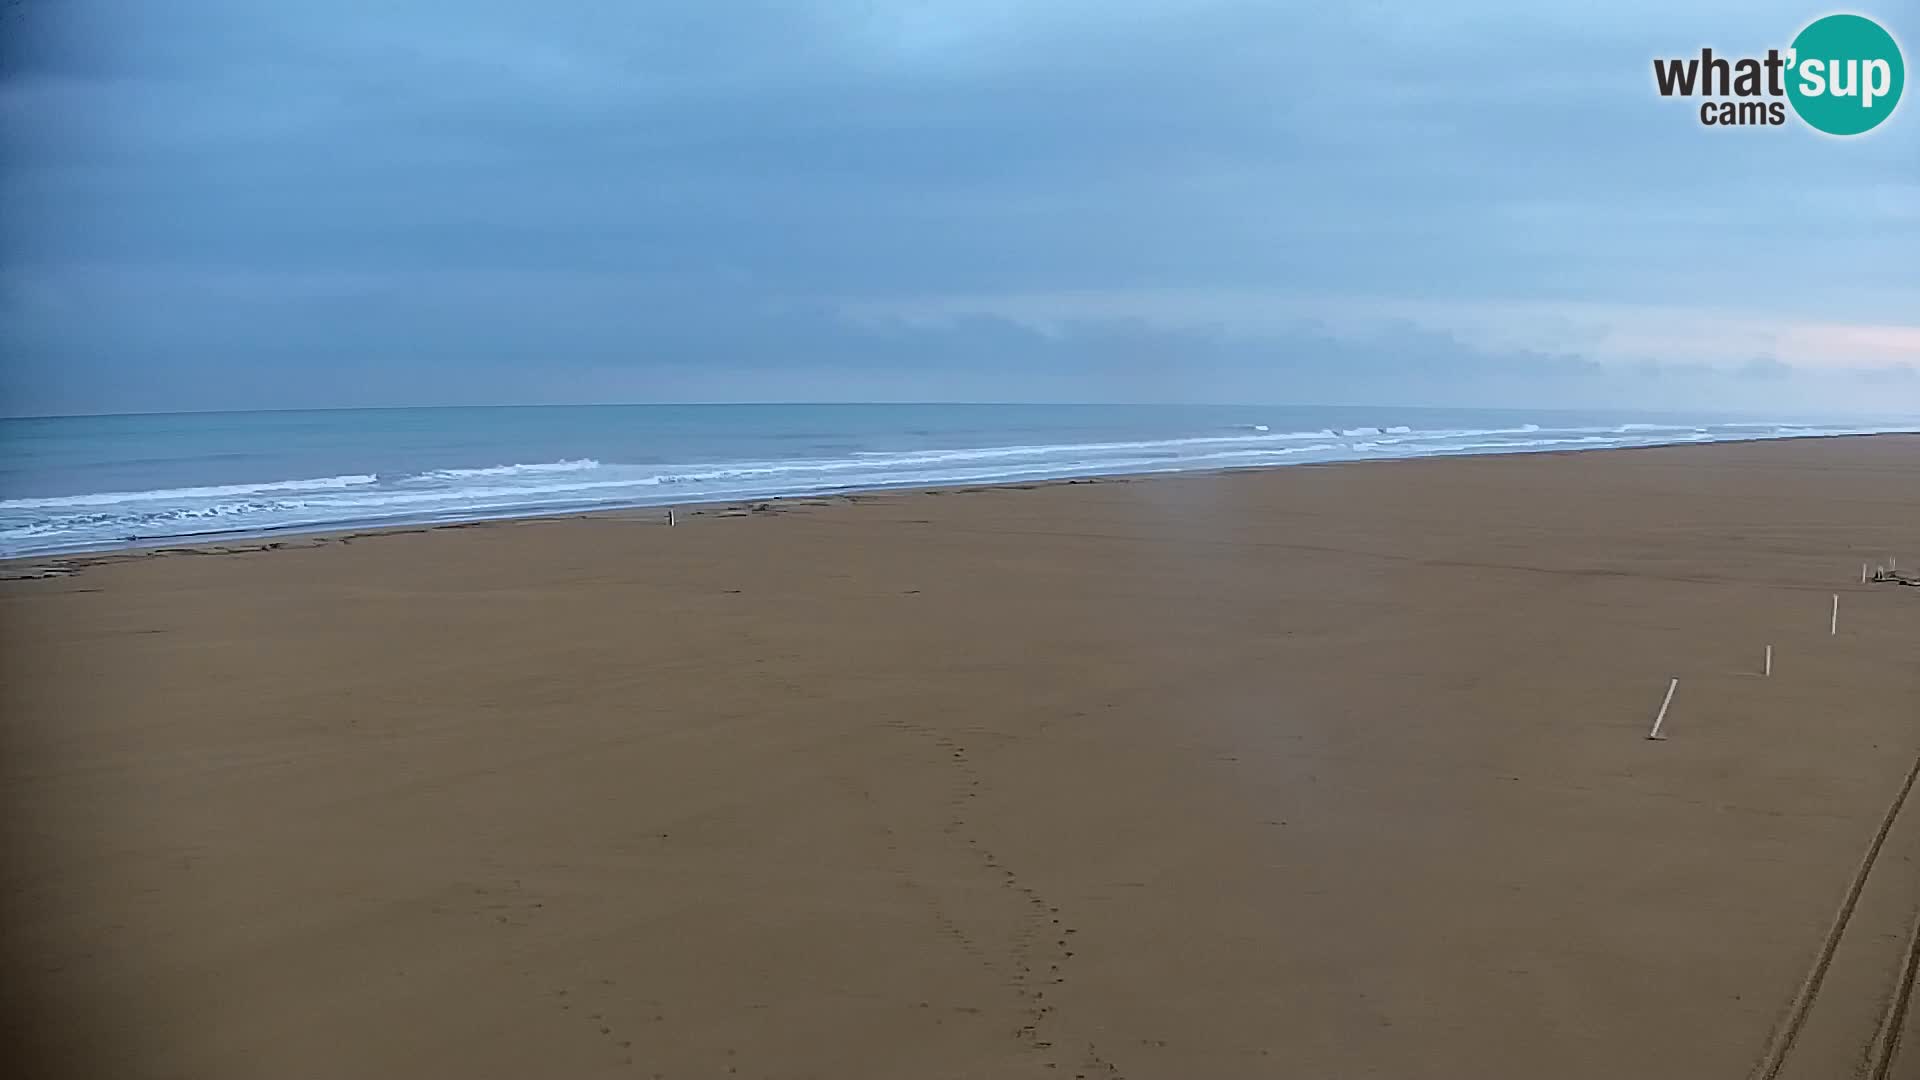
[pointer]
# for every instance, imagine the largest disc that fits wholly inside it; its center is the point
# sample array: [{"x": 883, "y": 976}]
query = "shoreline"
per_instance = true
[{"x": 11, "y": 566}]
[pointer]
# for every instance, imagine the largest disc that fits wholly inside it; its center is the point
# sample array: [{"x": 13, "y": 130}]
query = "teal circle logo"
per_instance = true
[{"x": 1845, "y": 74}]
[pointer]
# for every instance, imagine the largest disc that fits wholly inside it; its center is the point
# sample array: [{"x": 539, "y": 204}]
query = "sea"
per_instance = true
[{"x": 86, "y": 483}]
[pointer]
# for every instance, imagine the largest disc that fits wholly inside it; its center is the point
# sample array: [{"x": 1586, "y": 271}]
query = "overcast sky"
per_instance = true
[{"x": 250, "y": 203}]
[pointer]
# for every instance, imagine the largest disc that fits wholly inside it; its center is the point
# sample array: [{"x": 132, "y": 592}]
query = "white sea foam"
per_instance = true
[
  {"x": 218, "y": 491},
  {"x": 540, "y": 468}
]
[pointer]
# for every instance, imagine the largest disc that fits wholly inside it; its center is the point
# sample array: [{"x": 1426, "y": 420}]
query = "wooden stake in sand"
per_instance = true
[
  {"x": 1834, "y": 627},
  {"x": 669, "y": 518},
  {"x": 1662, "y": 717},
  {"x": 1768, "y": 671}
]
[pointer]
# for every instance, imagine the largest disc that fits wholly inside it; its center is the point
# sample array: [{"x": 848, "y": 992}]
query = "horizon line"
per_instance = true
[{"x": 896, "y": 403}]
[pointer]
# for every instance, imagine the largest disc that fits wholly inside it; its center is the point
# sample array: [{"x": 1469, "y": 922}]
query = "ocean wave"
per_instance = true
[
  {"x": 1250, "y": 439},
  {"x": 133, "y": 522},
  {"x": 540, "y": 468},
  {"x": 217, "y": 491}
]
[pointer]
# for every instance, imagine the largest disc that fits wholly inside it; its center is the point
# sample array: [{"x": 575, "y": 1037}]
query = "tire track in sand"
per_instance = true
[
  {"x": 1782, "y": 1042},
  {"x": 1886, "y": 1039}
]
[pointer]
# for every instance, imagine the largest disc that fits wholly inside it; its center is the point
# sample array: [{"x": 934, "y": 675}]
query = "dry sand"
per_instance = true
[{"x": 1312, "y": 772}]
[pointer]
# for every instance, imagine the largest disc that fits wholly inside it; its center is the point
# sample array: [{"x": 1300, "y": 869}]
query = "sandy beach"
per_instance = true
[{"x": 1331, "y": 771}]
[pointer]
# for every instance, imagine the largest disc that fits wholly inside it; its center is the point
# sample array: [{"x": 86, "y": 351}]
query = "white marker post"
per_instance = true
[
  {"x": 1863, "y": 573},
  {"x": 1662, "y": 717},
  {"x": 669, "y": 518},
  {"x": 1834, "y": 627},
  {"x": 1768, "y": 671}
]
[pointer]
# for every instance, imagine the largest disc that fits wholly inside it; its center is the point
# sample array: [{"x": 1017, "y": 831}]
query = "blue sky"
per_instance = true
[{"x": 244, "y": 203}]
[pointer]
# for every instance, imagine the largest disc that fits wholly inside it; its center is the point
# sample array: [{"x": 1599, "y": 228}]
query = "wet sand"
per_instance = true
[{"x": 1310, "y": 772}]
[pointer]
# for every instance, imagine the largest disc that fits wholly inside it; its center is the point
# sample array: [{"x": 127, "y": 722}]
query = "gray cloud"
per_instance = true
[{"x": 224, "y": 201}]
